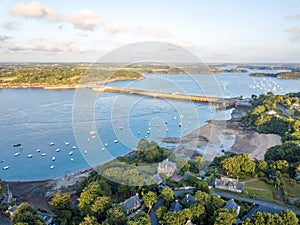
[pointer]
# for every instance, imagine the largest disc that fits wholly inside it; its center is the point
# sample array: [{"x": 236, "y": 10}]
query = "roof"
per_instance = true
[
  {"x": 176, "y": 206},
  {"x": 176, "y": 178},
  {"x": 189, "y": 199},
  {"x": 231, "y": 204},
  {"x": 157, "y": 179},
  {"x": 131, "y": 202},
  {"x": 229, "y": 182},
  {"x": 46, "y": 218},
  {"x": 12, "y": 209},
  {"x": 167, "y": 163},
  {"x": 262, "y": 209}
]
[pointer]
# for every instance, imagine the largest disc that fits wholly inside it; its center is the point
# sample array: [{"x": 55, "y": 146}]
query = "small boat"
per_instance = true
[
  {"x": 67, "y": 143},
  {"x": 71, "y": 153},
  {"x": 17, "y": 153},
  {"x": 38, "y": 150},
  {"x": 51, "y": 143},
  {"x": 116, "y": 141},
  {"x": 121, "y": 128},
  {"x": 17, "y": 145},
  {"x": 29, "y": 156},
  {"x": 174, "y": 118},
  {"x": 85, "y": 152},
  {"x": 148, "y": 132},
  {"x": 105, "y": 144},
  {"x": 149, "y": 129},
  {"x": 5, "y": 167},
  {"x": 57, "y": 150},
  {"x": 53, "y": 158},
  {"x": 72, "y": 159},
  {"x": 74, "y": 147},
  {"x": 180, "y": 124},
  {"x": 43, "y": 154},
  {"x": 94, "y": 136},
  {"x": 103, "y": 149},
  {"x": 88, "y": 140},
  {"x": 139, "y": 133},
  {"x": 52, "y": 167},
  {"x": 92, "y": 132},
  {"x": 157, "y": 125}
]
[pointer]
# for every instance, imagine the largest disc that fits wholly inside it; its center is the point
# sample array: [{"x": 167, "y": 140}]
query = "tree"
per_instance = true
[
  {"x": 27, "y": 215},
  {"x": 238, "y": 164},
  {"x": 289, "y": 217},
  {"x": 88, "y": 196},
  {"x": 115, "y": 215},
  {"x": 167, "y": 195},
  {"x": 224, "y": 217},
  {"x": 149, "y": 199},
  {"x": 199, "y": 160},
  {"x": 89, "y": 220},
  {"x": 61, "y": 205},
  {"x": 183, "y": 165},
  {"x": 140, "y": 219},
  {"x": 100, "y": 206}
]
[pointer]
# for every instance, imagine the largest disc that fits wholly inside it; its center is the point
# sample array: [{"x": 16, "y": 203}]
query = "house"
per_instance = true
[
  {"x": 229, "y": 184},
  {"x": 262, "y": 209},
  {"x": 11, "y": 209},
  {"x": 188, "y": 199},
  {"x": 166, "y": 167},
  {"x": 132, "y": 204},
  {"x": 157, "y": 179},
  {"x": 176, "y": 178},
  {"x": 176, "y": 206},
  {"x": 232, "y": 205},
  {"x": 46, "y": 218}
]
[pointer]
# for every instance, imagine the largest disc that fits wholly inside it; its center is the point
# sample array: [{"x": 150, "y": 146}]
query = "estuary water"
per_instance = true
[{"x": 42, "y": 121}]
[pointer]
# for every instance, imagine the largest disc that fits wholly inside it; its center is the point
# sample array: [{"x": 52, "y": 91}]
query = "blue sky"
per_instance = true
[{"x": 216, "y": 31}]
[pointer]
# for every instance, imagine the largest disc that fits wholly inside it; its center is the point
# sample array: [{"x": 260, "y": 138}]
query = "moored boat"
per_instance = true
[
  {"x": 17, "y": 154},
  {"x": 17, "y": 145},
  {"x": 43, "y": 154},
  {"x": 5, "y": 167},
  {"x": 51, "y": 143},
  {"x": 29, "y": 156}
]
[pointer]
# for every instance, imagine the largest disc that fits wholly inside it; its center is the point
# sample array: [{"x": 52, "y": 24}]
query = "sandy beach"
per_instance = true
[{"x": 218, "y": 137}]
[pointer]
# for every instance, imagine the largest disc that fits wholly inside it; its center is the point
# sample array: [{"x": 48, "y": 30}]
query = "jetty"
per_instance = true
[{"x": 219, "y": 102}]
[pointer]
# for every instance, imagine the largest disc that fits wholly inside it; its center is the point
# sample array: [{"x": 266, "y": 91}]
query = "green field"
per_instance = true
[{"x": 260, "y": 189}]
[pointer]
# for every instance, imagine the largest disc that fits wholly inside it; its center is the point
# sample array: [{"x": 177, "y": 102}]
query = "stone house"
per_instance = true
[{"x": 166, "y": 167}]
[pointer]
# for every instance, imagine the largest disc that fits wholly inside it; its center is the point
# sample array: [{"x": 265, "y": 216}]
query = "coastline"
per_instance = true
[
  {"x": 211, "y": 135},
  {"x": 63, "y": 87}
]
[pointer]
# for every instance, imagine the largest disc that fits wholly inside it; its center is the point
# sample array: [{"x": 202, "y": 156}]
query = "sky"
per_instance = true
[{"x": 217, "y": 31}]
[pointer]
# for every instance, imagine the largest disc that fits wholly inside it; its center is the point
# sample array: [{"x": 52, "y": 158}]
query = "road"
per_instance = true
[
  {"x": 286, "y": 113},
  {"x": 256, "y": 201}
]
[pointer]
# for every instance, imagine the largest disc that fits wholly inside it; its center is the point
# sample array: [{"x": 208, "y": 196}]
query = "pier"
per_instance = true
[{"x": 219, "y": 102}]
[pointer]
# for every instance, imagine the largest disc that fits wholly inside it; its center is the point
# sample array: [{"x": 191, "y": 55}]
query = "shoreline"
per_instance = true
[{"x": 39, "y": 192}]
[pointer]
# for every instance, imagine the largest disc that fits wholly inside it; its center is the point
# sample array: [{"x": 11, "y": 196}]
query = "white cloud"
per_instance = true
[
  {"x": 35, "y": 9},
  {"x": 41, "y": 45},
  {"x": 295, "y": 33},
  {"x": 116, "y": 28},
  {"x": 153, "y": 32},
  {"x": 84, "y": 19},
  {"x": 10, "y": 25}
]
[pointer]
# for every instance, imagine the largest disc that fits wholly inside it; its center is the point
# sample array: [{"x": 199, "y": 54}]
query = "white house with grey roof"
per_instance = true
[{"x": 131, "y": 204}]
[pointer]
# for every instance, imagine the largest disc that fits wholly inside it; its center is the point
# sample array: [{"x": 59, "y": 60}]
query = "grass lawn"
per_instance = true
[
  {"x": 293, "y": 189},
  {"x": 260, "y": 189}
]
